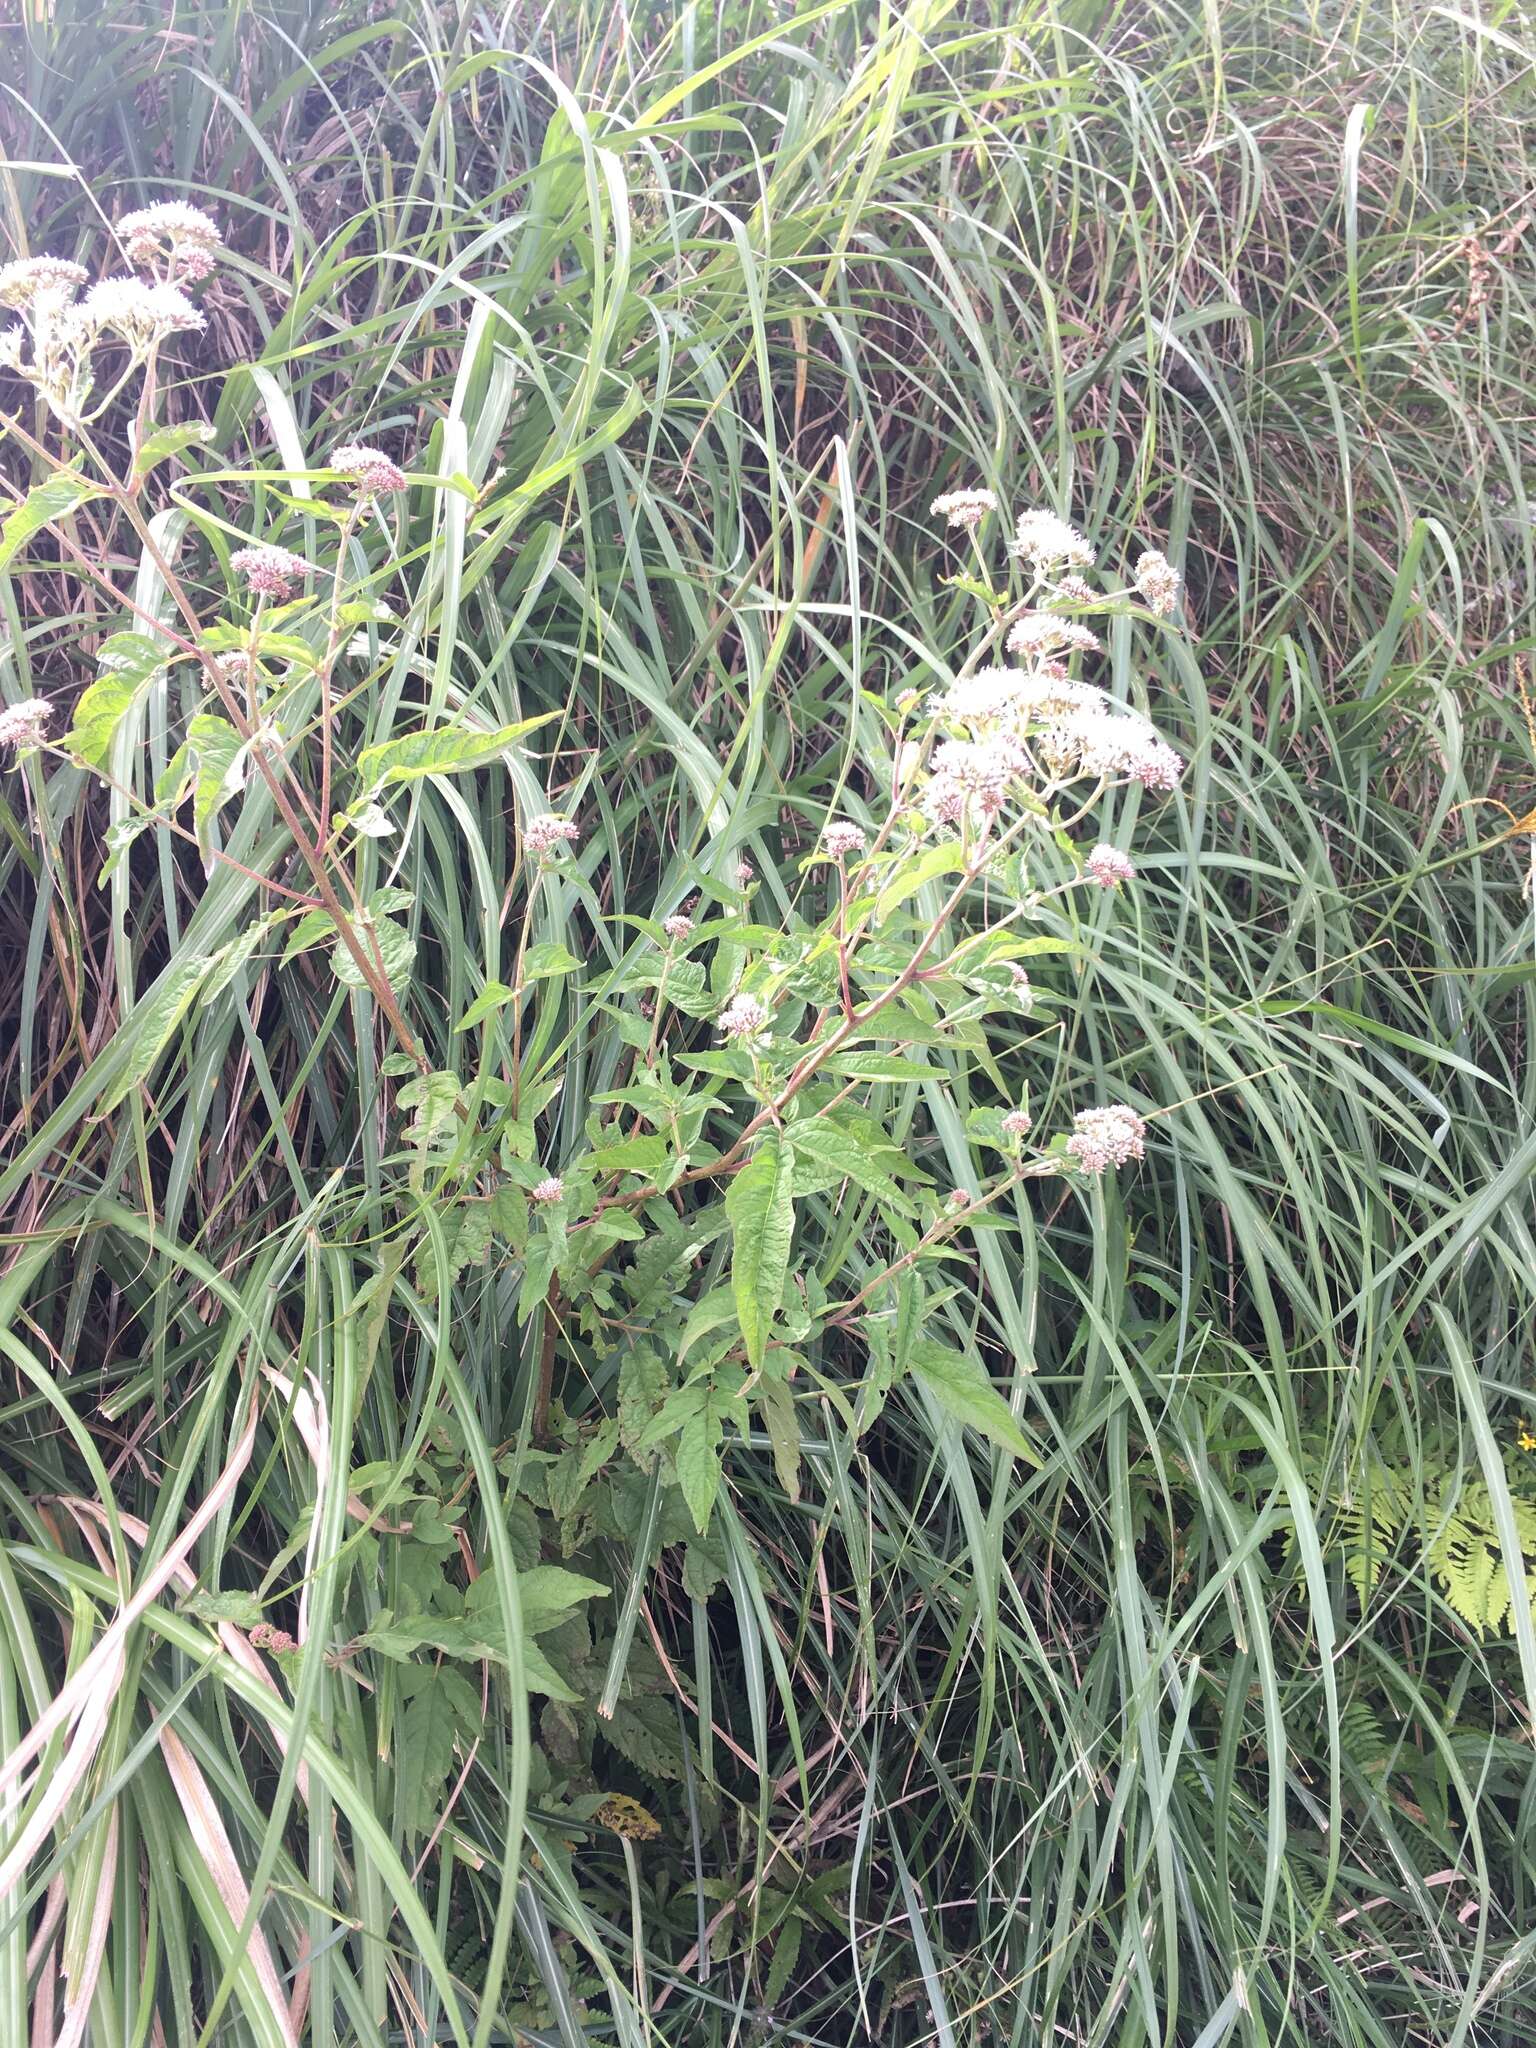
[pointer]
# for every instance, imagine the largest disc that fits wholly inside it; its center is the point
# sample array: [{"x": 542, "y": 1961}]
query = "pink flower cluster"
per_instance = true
[
  {"x": 269, "y": 571},
  {"x": 547, "y": 832}
]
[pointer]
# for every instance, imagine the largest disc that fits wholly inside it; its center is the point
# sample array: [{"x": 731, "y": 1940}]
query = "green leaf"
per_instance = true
[
  {"x": 549, "y": 1594},
  {"x": 698, "y": 1464},
  {"x": 712, "y": 1313},
  {"x": 243, "y": 1609},
  {"x": 827, "y": 1151},
  {"x": 383, "y": 940},
  {"x": 154, "y": 1023},
  {"x": 445, "y": 750},
  {"x": 645, "y": 1154},
  {"x": 961, "y": 1387},
  {"x": 432, "y": 1100},
  {"x": 220, "y": 755},
  {"x": 914, "y": 872},
  {"x": 491, "y": 998},
  {"x": 786, "y": 1953},
  {"x": 128, "y": 663},
  {"x": 544, "y": 960},
  {"x": 538, "y": 1265},
  {"x": 776, "y": 1405},
  {"x": 165, "y": 442},
  {"x": 62, "y": 494},
  {"x": 442, "y": 1704},
  {"x": 229, "y": 960},
  {"x": 760, "y": 1205}
]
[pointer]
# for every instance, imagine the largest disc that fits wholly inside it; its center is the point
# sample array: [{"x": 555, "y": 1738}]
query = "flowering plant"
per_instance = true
[
  {"x": 759, "y": 1049},
  {"x": 772, "y": 1029}
]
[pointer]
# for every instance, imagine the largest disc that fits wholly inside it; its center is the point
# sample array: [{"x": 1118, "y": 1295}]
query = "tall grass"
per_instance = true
[{"x": 1212, "y": 1724}]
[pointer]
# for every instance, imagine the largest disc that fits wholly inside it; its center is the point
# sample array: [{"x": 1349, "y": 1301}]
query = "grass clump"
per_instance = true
[{"x": 666, "y": 1382}]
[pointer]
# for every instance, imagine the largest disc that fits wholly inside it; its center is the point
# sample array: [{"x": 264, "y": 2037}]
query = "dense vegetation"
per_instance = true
[{"x": 1110, "y": 1621}]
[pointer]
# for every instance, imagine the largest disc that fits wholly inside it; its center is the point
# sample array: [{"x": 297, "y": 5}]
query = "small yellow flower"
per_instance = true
[{"x": 1525, "y": 1439}]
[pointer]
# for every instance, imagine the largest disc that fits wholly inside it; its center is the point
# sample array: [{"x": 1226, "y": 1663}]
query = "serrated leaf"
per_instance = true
[
  {"x": 776, "y": 1405},
  {"x": 128, "y": 663},
  {"x": 384, "y": 941},
  {"x": 697, "y": 1456},
  {"x": 549, "y": 1594},
  {"x": 491, "y": 998},
  {"x": 220, "y": 755},
  {"x": 165, "y": 442},
  {"x": 549, "y": 958},
  {"x": 445, "y": 750},
  {"x": 915, "y": 872},
  {"x": 46, "y": 502},
  {"x": 761, "y": 1208},
  {"x": 154, "y": 1023},
  {"x": 961, "y": 1387},
  {"x": 786, "y": 1953},
  {"x": 833, "y": 1149},
  {"x": 442, "y": 1703}
]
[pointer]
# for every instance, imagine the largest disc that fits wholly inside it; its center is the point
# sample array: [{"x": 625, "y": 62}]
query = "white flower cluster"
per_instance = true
[
  {"x": 59, "y": 332},
  {"x": 1035, "y": 725},
  {"x": 24, "y": 724},
  {"x": 746, "y": 1018},
  {"x": 964, "y": 508},
  {"x": 1102, "y": 1138},
  {"x": 172, "y": 239}
]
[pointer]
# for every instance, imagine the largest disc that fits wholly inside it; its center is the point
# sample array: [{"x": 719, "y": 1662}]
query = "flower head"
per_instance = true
[
  {"x": 550, "y": 1189},
  {"x": 971, "y": 778},
  {"x": 369, "y": 468},
  {"x": 1016, "y": 1123},
  {"x": 140, "y": 313},
  {"x": 23, "y": 724},
  {"x": 52, "y": 280},
  {"x": 1102, "y": 1138},
  {"x": 745, "y": 1017},
  {"x": 1076, "y": 591},
  {"x": 677, "y": 926},
  {"x": 548, "y": 831},
  {"x": 964, "y": 508},
  {"x": 1108, "y": 867},
  {"x": 1023, "y": 994},
  {"x": 841, "y": 838},
  {"x": 269, "y": 571},
  {"x": 991, "y": 696},
  {"x": 1086, "y": 737},
  {"x": 745, "y": 873},
  {"x": 1043, "y": 539},
  {"x": 172, "y": 232},
  {"x": 1159, "y": 582},
  {"x": 1043, "y": 633},
  {"x": 264, "y": 1636}
]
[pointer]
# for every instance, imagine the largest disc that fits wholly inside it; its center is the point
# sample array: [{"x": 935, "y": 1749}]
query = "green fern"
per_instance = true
[
  {"x": 1468, "y": 1561},
  {"x": 1455, "y": 1532}
]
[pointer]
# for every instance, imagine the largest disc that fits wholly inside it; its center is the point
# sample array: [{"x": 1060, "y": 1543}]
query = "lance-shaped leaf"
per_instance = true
[
  {"x": 761, "y": 1209},
  {"x": 446, "y": 750}
]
